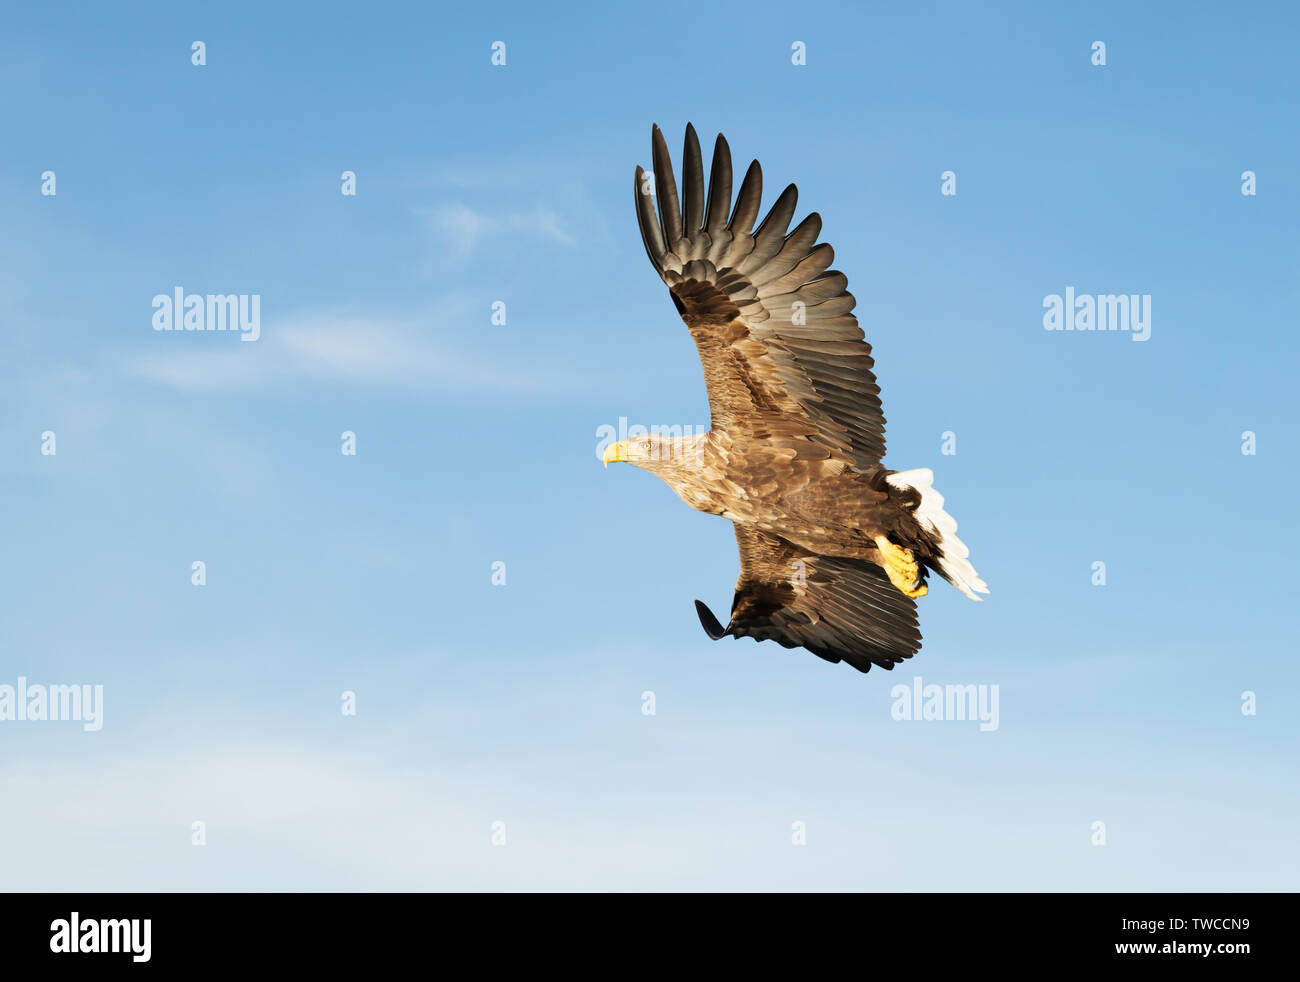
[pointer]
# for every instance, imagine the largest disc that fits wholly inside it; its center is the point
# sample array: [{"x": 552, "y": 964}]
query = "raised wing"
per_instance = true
[
  {"x": 772, "y": 321},
  {"x": 839, "y": 609}
]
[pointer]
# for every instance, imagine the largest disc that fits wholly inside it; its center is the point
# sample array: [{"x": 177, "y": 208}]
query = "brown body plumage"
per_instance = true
[{"x": 834, "y": 547}]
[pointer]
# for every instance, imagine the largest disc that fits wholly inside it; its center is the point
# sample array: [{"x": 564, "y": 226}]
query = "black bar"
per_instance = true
[{"x": 622, "y": 931}]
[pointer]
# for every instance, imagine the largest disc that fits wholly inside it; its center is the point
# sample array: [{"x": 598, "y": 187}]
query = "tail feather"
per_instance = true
[{"x": 951, "y": 560}]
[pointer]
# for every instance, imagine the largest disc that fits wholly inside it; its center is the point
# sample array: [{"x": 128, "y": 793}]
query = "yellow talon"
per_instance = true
[{"x": 900, "y": 565}]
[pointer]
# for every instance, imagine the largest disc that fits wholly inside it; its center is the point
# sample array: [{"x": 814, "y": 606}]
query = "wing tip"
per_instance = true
[{"x": 709, "y": 622}]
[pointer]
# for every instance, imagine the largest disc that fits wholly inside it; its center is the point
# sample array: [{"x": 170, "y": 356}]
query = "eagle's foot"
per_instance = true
[{"x": 900, "y": 565}]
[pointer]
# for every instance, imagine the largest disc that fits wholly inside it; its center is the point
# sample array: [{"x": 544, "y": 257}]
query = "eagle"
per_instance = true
[{"x": 835, "y": 548}]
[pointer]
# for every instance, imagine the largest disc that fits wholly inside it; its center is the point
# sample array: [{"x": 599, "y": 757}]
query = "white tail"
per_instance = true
[{"x": 953, "y": 564}]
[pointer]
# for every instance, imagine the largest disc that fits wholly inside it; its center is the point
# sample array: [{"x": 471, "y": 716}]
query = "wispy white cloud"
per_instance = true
[
  {"x": 198, "y": 369},
  {"x": 544, "y": 222},
  {"x": 462, "y": 229},
  {"x": 330, "y": 347}
]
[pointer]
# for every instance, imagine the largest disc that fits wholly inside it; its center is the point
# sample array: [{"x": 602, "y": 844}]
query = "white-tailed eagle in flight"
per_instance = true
[{"x": 834, "y": 546}]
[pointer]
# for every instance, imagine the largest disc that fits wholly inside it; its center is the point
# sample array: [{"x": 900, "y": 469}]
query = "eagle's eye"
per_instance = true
[{"x": 646, "y": 446}]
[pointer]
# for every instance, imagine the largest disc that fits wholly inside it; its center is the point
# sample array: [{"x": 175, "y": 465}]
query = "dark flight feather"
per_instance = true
[{"x": 839, "y": 609}]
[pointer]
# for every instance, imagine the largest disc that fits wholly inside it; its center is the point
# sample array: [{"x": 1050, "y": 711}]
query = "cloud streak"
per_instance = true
[
  {"x": 334, "y": 348},
  {"x": 463, "y": 230}
]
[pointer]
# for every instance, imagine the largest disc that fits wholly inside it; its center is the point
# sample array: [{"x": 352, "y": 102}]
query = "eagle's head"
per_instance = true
[
  {"x": 642, "y": 451},
  {"x": 656, "y": 452}
]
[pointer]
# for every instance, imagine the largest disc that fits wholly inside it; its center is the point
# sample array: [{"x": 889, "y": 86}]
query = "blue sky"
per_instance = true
[{"x": 476, "y": 444}]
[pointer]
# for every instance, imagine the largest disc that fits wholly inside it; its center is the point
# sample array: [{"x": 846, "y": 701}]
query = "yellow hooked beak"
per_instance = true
[{"x": 616, "y": 453}]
